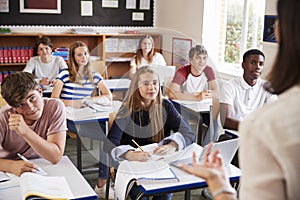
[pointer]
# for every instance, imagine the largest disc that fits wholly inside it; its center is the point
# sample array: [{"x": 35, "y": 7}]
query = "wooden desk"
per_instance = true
[
  {"x": 86, "y": 122},
  {"x": 78, "y": 185},
  {"x": 196, "y": 108}
]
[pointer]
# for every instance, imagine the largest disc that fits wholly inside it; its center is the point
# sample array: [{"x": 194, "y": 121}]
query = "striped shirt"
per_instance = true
[{"x": 74, "y": 91}]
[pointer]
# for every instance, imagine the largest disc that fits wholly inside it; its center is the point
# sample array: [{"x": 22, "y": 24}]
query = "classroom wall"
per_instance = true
[
  {"x": 174, "y": 18},
  {"x": 270, "y": 49},
  {"x": 179, "y": 18}
]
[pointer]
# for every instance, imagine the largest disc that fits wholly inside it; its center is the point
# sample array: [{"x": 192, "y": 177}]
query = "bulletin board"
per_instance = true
[
  {"x": 180, "y": 51},
  {"x": 71, "y": 15}
]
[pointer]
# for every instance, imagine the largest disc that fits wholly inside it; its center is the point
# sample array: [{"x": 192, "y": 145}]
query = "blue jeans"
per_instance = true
[{"x": 135, "y": 193}]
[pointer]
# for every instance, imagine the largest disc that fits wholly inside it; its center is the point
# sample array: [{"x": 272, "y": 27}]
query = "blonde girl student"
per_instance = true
[
  {"x": 145, "y": 55},
  {"x": 75, "y": 85},
  {"x": 147, "y": 118}
]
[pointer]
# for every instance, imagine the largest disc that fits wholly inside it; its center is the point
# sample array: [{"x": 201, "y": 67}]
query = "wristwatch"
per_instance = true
[{"x": 230, "y": 190}]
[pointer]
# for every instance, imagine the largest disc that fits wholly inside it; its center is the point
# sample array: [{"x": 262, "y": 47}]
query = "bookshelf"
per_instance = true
[{"x": 111, "y": 50}]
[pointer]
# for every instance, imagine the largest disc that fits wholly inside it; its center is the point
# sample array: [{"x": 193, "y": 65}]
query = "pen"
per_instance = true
[
  {"x": 39, "y": 170},
  {"x": 137, "y": 145}
]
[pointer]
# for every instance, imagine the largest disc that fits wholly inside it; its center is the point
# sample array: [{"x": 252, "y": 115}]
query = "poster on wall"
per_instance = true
[
  {"x": 40, "y": 6},
  {"x": 4, "y": 6},
  {"x": 269, "y": 28},
  {"x": 180, "y": 51}
]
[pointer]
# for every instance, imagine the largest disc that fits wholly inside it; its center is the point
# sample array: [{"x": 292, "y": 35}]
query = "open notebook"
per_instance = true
[
  {"x": 151, "y": 172},
  {"x": 228, "y": 149},
  {"x": 35, "y": 186}
]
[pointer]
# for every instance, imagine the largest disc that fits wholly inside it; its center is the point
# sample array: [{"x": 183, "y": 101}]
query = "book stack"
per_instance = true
[
  {"x": 63, "y": 52},
  {"x": 16, "y": 54}
]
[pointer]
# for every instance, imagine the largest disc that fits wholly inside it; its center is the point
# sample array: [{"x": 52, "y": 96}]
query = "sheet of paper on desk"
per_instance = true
[
  {"x": 84, "y": 113},
  {"x": 3, "y": 177},
  {"x": 102, "y": 101},
  {"x": 184, "y": 153},
  {"x": 188, "y": 102}
]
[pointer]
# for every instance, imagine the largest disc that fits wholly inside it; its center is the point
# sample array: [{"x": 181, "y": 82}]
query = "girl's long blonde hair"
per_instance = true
[
  {"x": 73, "y": 66},
  {"x": 139, "y": 52},
  {"x": 133, "y": 103}
]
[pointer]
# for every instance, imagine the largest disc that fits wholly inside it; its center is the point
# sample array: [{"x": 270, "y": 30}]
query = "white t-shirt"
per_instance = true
[
  {"x": 243, "y": 98},
  {"x": 45, "y": 70},
  {"x": 157, "y": 59}
]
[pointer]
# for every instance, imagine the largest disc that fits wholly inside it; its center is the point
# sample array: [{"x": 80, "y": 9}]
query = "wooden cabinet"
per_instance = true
[{"x": 113, "y": 51}]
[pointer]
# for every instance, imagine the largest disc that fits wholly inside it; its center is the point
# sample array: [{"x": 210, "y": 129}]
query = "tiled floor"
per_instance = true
[{"x": 89, "y": 159}]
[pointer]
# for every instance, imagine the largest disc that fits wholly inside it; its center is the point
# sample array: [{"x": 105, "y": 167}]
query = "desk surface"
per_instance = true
[
  {"x": 187, "y": 181},
  {"x": 78, "y": 185},
  {"x": 196, "y": 106},
  {"x": 86, "y": 114},
  {"x": 112, "y": 84},
  {"x": 117, "y": 84}
]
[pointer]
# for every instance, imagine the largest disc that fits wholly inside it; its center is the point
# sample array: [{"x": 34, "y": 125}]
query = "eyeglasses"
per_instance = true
[{"x": 147, "y": 83}]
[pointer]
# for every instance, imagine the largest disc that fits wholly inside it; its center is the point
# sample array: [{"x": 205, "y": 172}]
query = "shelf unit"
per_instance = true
[{"x": 115, "y": 58}]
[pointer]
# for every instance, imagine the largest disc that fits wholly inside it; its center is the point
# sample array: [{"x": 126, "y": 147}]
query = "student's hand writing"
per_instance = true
[
  {"x": 165, "y": 149},
  {"x": 142, "y": 156},
  {"x": 212, "y": 170},
  {"x": 19, "y": 167},
  {"x": 203, "y": 95},
  {"x": 16, "y": 123},
  {"x": 44, "y": 81}
]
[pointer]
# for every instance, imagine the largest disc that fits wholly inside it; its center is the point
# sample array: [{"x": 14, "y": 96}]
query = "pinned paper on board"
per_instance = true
[
  {"x": 110, "y": 3},
  {"x": 86, "y": 8},
  {"x": 130, "y": 4},
  {"x": 137, "y": 16},
  {"x": 144, "y": 4},
  {"x": 4, "y": 6}
]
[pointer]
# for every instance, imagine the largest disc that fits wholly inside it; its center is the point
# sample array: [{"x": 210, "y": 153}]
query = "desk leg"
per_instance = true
[
  {"x": 199, "y": 130},
  {"x": 79, "y": 159},
  {"x": 187, "y": 195}
]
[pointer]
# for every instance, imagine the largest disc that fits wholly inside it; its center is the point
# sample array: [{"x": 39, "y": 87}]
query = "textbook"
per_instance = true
[
  {"x": 150, "y": 172},
  {"x": 145, "y": 172},
  {"x": 35, "y": 186}
]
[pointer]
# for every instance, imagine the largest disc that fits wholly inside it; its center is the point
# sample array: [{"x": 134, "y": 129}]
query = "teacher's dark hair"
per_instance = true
[{"x": 286, "y": 68}]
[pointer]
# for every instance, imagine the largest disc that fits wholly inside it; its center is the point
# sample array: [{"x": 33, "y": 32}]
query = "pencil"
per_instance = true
[
  {"x": 40, "y": 170},
  {"x": 137, "y": 145}
]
